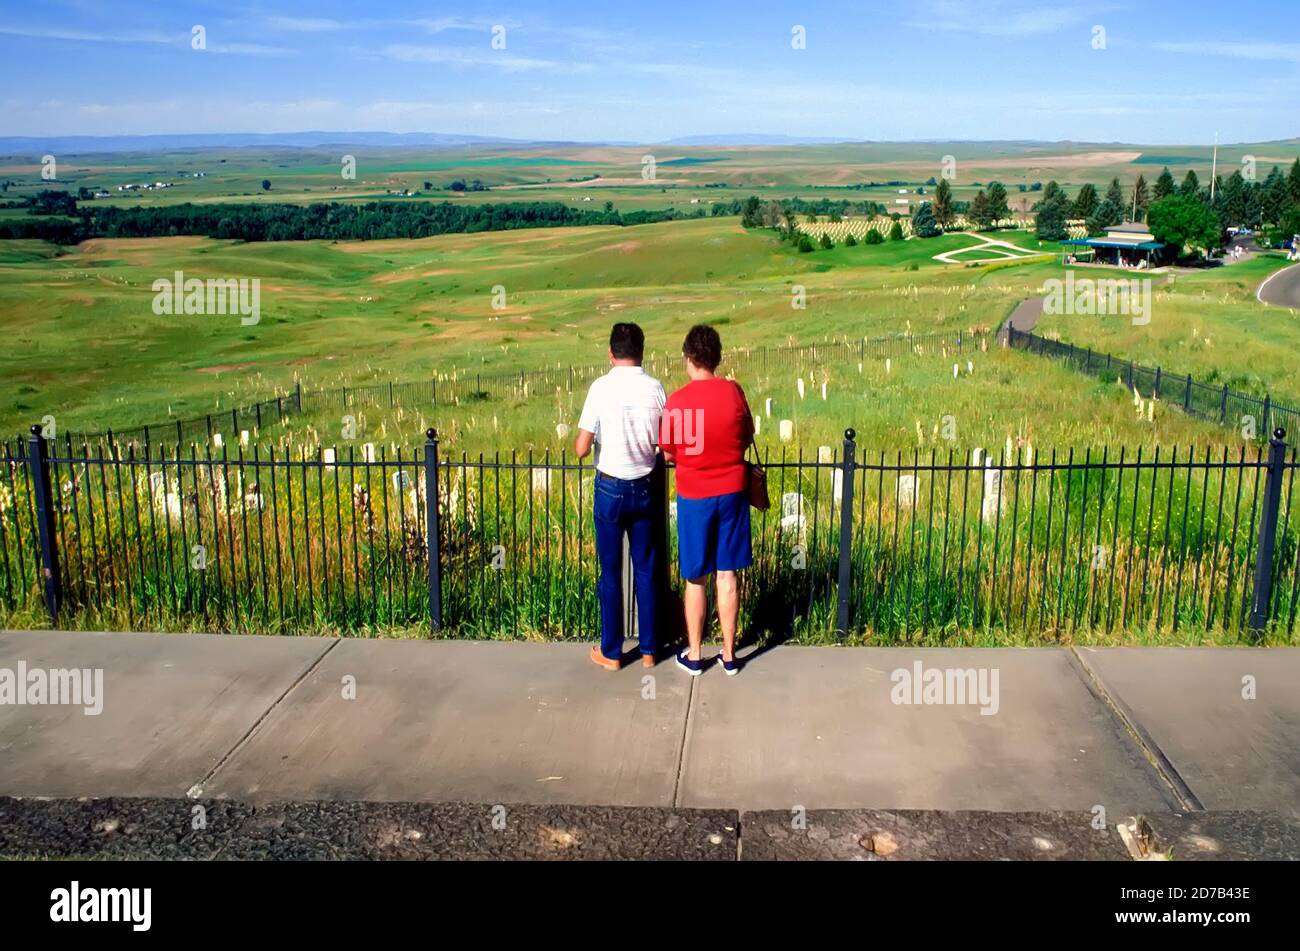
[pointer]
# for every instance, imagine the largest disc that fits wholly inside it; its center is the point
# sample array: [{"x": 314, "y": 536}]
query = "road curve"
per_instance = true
[
  {"x": 1281, "y": 288},
  {"x": 1024, "y": 318}
]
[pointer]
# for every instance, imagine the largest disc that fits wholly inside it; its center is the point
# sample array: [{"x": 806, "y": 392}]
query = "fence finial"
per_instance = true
[
  {"x": 850, "y": 434},
  {"x": 431, "y": 434},
  {"x": 1279, "y": 434}
]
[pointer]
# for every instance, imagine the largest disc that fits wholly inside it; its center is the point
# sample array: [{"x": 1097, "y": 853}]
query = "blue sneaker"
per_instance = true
[
  {"x": 729, "y": 667},
  {"x": 692, "y": 667}
]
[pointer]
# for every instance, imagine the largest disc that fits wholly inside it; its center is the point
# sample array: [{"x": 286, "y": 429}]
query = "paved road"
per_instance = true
[
  {"x": 1282, "y": 288},
  {"x": 1024, "y": 318},
  {"x": 261, "y": 719}
]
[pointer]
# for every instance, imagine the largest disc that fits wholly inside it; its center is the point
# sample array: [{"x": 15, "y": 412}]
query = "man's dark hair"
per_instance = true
[
  {"x": 627, "y": 342},
  {"x": 703, "y": 347}
]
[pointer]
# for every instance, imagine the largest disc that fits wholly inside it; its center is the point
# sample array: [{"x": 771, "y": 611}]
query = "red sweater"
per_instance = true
[{"x": 707, "y": 426}]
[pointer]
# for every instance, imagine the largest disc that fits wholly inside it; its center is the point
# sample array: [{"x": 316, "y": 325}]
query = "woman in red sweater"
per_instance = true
[{"x": 706, "y": 429}]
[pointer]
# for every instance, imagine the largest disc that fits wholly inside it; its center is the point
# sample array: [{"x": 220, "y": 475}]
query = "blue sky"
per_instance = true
[{"x": 920, "y": 69}]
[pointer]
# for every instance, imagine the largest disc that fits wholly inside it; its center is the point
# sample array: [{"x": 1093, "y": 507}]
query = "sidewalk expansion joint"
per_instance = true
[
  {"x": 681, "y": 749},
  {"x": 1150, "y": 749},
  {"x": 196, "y": 790}
]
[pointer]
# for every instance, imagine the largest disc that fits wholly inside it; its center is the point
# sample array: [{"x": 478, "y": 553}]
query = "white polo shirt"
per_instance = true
[{"x": 622, "y": 411}]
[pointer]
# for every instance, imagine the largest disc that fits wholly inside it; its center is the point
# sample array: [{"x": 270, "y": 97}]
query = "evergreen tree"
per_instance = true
[
  {"x": 896, "y": 232},
  {"x": 1191, "y": 186},
  {"x": 998, "y": 206},
  {"x": 1115, "y": 193},
  {"x": 751, "y": 212},
  {"x": 873, "y": 237},
  {"x": 1108, "y": 213},
  {"x": 1086, "y": 202},
  {"x": 1293, "y": 183},
  {"x": 980, "y": 213},
  {"x": 1235, "y": 201},
  {"x": 923, "y": 223},
  {"x": 942, "y": 204},
  {"x": 1052, "y": 212},
  {"x": 1164, "y": 185},
  {"x": 1141, "y": 198},
  {"x": 825, "y": 242},
  {"x": 1273, "y": 197}
]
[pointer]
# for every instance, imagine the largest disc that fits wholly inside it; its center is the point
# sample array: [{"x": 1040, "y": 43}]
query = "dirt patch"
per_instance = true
[
  {"x": 601, "y": 182},
  {"x": 399, "y": 277},
  {"x": 226, "y": 368}
]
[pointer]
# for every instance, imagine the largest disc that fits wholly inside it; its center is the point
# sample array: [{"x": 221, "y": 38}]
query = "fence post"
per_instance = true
[
  {"x": 433, "y": 529},
  {"x": 1223, "y": 406},
  {"x": 38, "y": 460},
  {"x": 1268, "y": 406},
  {"x": 1263, "y": 590},
  {"x": 1187, "y": 395},
  {"x": 844, "y": 588},
  {"x": 1157, "y": 385},
  {"x": 297, "y": 396}
]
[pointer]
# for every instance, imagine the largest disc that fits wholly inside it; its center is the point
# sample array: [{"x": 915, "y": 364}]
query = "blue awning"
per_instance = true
[{"x": 1103, "y": 243}]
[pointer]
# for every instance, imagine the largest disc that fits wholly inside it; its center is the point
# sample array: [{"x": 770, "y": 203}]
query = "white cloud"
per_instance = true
[
  {"x": 86, "y": 36},
  {"x": 303, "y": 24},
  {"x": 993, "y": 18},
  {"x": 461, "y": 56},
  {"x": 179, "y": 40},
  {"x": 1239, "y": 50}
]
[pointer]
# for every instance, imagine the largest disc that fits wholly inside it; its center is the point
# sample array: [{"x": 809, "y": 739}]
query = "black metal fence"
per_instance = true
[
  {"x": 463, "y": 386},
  {"x": 1217, "y": 404},
  {"x": 884, "y": 546}
]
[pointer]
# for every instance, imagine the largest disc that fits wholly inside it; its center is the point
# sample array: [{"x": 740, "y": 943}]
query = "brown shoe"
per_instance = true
[
  {"x": 600, "y": 660},
  {"x": 647, "y": 660}
]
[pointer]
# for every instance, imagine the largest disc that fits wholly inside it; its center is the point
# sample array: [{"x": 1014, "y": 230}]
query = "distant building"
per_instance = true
[{"x": 1130, "y": 244}]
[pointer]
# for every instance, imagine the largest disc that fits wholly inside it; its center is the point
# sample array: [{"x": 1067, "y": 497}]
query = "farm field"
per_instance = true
[{"x": 593, "y": 174}]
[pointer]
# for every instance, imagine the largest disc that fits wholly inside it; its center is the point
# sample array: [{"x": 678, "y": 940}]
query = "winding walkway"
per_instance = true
[{"x": 1002, "y": 251}]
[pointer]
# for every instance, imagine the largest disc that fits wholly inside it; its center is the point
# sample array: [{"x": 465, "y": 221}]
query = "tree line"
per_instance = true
[
  {"x": 1186, "y": 214},
  {"x": 1182, "y": 215},
  {"x": 55, "y": 216}
]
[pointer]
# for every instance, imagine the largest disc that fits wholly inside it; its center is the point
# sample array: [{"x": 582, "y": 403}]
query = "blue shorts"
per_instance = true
[{"x": 713, "y": 534}]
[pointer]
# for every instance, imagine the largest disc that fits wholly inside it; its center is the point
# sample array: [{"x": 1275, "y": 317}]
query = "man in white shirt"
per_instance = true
[{"x": 621, "y": 419}]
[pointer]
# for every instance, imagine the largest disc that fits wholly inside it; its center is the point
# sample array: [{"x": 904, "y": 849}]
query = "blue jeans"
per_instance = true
[{"x": 626, "y": 507}]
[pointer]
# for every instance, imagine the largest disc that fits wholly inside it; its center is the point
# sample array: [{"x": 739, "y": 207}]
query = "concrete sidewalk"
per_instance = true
[{"x": 266, "y": 719}]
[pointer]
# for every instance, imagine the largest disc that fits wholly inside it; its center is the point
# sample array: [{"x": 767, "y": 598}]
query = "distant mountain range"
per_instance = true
[
  {"x": 71, "y": 144},
  {"x": 239, "y": 140},
  {"x": 308, "y": 140},
  {"x": 757, "y": 138}
]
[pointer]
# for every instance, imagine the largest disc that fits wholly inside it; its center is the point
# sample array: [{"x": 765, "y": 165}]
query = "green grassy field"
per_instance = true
[
  {"x": 1207, "y": 323},
  {"x": 85, "y": 347}
]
